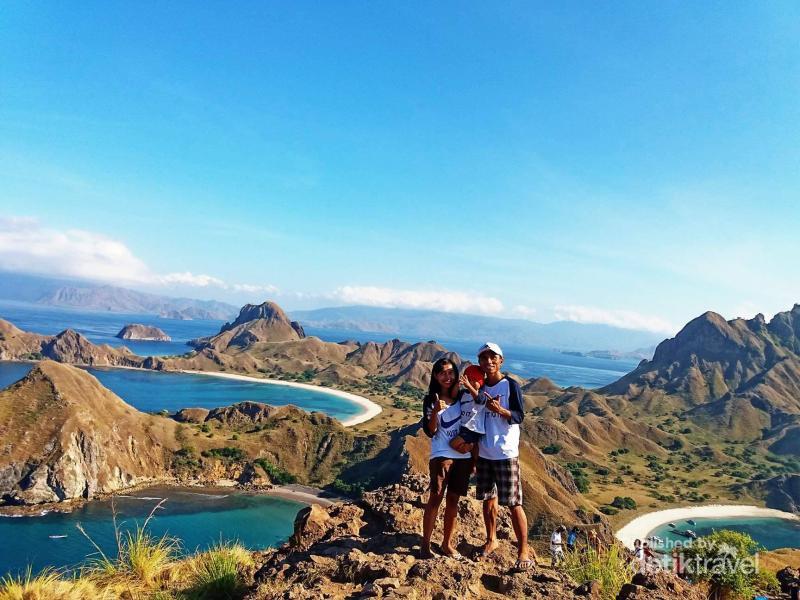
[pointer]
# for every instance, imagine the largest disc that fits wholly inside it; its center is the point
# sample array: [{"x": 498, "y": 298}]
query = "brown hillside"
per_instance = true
[{"x": 66, "y": 436}]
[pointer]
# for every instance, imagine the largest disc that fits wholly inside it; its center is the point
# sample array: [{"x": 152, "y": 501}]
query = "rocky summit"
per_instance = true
[
  {"x": 370, "y": 549},
  {"x": 264, "y": 322}
]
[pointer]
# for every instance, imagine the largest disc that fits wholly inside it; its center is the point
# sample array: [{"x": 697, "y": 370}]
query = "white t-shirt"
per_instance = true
[
  {"x": 472, "y": 412},
  {"x": 501, "y": 438},
  {"x": 449, "y": 424},
  {"x": 555, "y": 542}
]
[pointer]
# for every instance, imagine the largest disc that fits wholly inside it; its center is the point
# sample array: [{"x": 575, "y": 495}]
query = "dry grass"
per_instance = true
[
  {"x": 610, "y": 568},
  {"x": 50, "y": 585}
]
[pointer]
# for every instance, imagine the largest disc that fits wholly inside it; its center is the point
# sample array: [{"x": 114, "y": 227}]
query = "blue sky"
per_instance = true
[{"x": 635, "y": 163}]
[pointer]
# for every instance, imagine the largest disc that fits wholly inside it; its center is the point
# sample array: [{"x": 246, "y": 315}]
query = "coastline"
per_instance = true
[
  {"x": 640, "y": 527},
  {"x": 371, "y": 409}
]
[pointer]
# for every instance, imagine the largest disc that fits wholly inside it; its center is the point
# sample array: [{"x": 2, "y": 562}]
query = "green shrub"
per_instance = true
[
  {"x": 227, "y": 453},
  {"x": 276, "y": 474},
  {"x": 552, "y": 449},
  {"x": 624, "y": 502},
  {"x": 608, "y": 510},
  {"x": 724, "y": 559}
]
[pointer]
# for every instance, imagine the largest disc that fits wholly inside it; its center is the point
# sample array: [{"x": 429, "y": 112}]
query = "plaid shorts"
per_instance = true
[{"x": 500, "y": 479}]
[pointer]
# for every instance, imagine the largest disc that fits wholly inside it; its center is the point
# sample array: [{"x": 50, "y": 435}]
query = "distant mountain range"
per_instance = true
[
  {"x": 429, "y": 324},
  {"x": 92, "y": 296},
  {"x": 388, "y": 322}
]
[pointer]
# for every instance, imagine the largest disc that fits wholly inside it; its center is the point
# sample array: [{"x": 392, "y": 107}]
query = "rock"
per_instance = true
[
  {"x": 388, "y": 582},
  {"x": 241, "y": 414},
  {"x": 371, "y": 590},
  {"x": 590, "y": 589},
  {"x": 137, "y": 331},
  {"x": 789, "y": 578},
  {"x": 660, "y": 585},
  {"x": 310, "y": 525},
  {"x": 191, "y": 415}
]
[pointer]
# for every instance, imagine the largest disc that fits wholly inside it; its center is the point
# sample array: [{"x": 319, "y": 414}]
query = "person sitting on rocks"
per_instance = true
[{"x": 450, "y": 469}]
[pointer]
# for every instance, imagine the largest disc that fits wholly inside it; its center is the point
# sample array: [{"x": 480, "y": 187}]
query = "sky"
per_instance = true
[{"x": 631, "y": 163}]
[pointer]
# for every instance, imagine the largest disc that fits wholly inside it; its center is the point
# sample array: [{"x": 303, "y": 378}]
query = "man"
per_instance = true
[
  {"x": 498, "y": 475},
  {"x": 557, "y": 546}
]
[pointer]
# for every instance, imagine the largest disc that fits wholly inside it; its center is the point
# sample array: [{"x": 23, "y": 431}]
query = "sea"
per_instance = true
[
  {"x": 197, "y": 517},
  {"x": 769, "y": 532}
]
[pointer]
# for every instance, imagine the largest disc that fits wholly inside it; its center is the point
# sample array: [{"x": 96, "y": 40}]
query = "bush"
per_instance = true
[
  {"x": 227, "y": 453},
  {"x": 353, "y": 490},
  {"x": 552, "y": 449},
  {"x": 724, "y": 559},
  {"x": 216, "y": 573},
  {"x": 276, "y": 474},
  {"x": 610, "y": 568},
  {"x": 608, "y": 510},
  {"x": 624, "y": 502}
]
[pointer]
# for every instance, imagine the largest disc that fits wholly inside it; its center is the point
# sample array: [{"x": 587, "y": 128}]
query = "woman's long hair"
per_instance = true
[{"x": 434, "y": 387}]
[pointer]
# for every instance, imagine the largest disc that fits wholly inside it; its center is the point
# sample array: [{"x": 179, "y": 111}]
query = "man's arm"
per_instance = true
[{"x": 515, "y": 403}]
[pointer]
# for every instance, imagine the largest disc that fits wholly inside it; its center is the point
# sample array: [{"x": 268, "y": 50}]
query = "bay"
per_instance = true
[
  {"x": 772, "y": 533},
  {"x": 198, "y": 517},
  {"x": 154, "y": 391}
]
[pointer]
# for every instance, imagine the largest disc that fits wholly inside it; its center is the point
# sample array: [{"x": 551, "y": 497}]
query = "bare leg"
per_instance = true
[
  {"x": 450, "y": 514},
  {"x": 429, "y": 521},
  {"x": 490, "y": 521},
  {"x": 520, "y": 523}
]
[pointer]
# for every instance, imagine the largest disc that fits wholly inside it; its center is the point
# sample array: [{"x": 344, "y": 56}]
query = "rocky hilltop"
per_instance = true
[
  {"x": 137, "y": 331},
  {"x": 741, "y": 377},
  {"x": 65, "y": 436},
  {"x": 369, "y": 549},
  {"x": 256, "y": 323}
]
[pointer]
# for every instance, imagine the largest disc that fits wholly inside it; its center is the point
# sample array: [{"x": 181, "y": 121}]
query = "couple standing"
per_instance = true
[{"x": 497, "y": 465}]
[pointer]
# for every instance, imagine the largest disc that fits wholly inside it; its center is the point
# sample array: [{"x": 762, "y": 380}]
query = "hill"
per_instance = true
[
  {"x": 740, "y": 378},
  {"x": 429, "y": 324},
  {"x": 262, "y": 323},
  {"x": 66, "y": 436}
]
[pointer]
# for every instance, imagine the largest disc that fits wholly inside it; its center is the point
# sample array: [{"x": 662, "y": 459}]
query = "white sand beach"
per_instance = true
[
  {"x": 641, "y": 526},
  {"x": 370, "y": 408}
]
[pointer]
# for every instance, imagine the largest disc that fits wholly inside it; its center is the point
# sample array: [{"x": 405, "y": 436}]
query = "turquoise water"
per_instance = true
[
  {"x": 769, "y": 532},
  {"x": 152, "y": 391},
  {"x": 198, "y": 517}
]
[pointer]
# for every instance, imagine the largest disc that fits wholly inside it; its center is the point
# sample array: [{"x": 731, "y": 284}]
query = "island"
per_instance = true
[{"x": 136, "y": 331}]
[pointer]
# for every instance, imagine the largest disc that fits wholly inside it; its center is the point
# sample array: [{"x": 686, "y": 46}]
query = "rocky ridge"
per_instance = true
[{"x": 370, "y": 548}]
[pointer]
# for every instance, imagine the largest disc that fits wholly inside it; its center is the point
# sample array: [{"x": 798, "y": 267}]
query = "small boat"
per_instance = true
[
  {"x": 691, "y": 522},
  {"x": 691, "y": 534},
  {"x": 56, "y": 537},
  {"x": 671, "y": 525}
]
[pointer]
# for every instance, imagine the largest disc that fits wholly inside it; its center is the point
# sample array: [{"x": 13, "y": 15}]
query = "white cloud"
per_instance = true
[
  {"x": 627, "y": 319},
  {"x": 27, "y": 246},
  {"x": 443, "y": 300},
  {"x": 187, "y": 278},
  {"x": 523, "y": 312},
  {"x": 253, "y": 289}
]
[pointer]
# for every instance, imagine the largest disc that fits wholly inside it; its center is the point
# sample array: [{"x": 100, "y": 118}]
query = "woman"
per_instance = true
[{"x": 450, "y": 470}]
